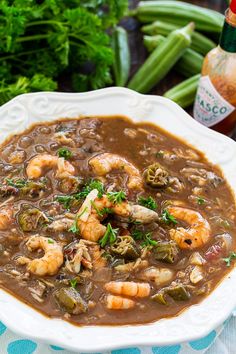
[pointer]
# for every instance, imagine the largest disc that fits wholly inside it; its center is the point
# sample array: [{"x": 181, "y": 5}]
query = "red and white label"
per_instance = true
[{"x": 210, "y": 107}]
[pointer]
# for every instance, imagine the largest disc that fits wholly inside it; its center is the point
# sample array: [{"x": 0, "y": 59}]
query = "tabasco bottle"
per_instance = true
[{"x": 215, "y": 104}]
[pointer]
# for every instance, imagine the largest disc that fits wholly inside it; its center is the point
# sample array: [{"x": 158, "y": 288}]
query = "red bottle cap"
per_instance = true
[{"x": 233, "y": 6}]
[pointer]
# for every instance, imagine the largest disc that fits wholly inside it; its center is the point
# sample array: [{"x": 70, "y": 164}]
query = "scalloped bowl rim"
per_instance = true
[{"x": 191, "y": 324}]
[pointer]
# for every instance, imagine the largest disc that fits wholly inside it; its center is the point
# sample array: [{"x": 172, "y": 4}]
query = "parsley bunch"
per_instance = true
[{"x": 40, "y": 41}]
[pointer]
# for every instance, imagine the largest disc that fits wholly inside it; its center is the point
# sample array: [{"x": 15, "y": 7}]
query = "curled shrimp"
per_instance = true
[
  {"x": 91, "y": 214},
  {"x": 105, "y": 163},
  {"x": 196, "y": 235},
  {"x": 39, "y": 163},
  {"x": 128, "y": 288},
  {"x": 6, "y": 218},
  {"x": 118, "y": 303},
  {"x": 50, "y": 262}
]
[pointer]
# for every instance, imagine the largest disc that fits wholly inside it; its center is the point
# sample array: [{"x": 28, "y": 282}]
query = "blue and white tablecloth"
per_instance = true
[{"x": 220, "y": 341}]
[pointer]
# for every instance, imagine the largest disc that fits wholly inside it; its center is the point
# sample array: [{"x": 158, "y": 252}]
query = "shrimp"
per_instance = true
[
  {"x": 196, "y": 235},
  {"x": 158, "y": 275},
  {"x": 105, "y": 163},
  {"x": 6, "y": 218},
  {"x": 97, "y": 260},
  {"x": 52, "y": 260},
  {"x": 42, "y": 162},
  {"x": 128, "y": 288},
  {"x": 119, "y": 303},
  {"x": 91, "y": 215}
]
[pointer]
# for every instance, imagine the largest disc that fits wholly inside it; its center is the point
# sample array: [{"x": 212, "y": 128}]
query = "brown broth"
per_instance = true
[{"x": 142, "y": 145}]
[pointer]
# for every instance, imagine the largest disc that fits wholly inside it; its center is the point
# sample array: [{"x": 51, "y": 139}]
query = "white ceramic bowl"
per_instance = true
[{"x": 198, "y": 320}]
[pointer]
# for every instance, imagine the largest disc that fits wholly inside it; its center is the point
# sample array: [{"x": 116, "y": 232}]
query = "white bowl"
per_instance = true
[{"x": 195, "y": 322}]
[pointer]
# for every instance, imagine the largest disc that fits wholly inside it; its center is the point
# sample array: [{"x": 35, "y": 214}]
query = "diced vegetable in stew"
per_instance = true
[{"x": 110, "y": 222}]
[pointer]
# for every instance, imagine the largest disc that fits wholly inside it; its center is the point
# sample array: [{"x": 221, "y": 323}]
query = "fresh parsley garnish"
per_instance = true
[
  {"x": 232, "y": 256},
  {"x": 137, "y": 234},
  {"x": 17, "y": 183},
  {"x": 116, "y": 197},
  {"x": 168, "y": 218},
  {"x": 93, "y": 184},
  {"x": 65, "y": 200},
  {"x": 105, "y": 211},
  {"x": 145, "y": 237},
  {"x": 50, "y": 240},
  {"x": 73, "y": 283},
  {"x": 148, "y": 241},
  {"x": 200, "y": 200},
  {"x": 64, "y": 152},
  {"x": 148, "y": 202},
  {"x": 109, "y": 237},
  {"x": 102, "y": 211}
]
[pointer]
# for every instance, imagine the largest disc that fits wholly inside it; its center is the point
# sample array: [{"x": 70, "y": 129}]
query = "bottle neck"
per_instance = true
[{"x": 228, "y": 36}]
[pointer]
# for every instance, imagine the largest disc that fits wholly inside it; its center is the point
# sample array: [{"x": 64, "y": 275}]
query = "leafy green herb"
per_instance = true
[
  {"x": 96, "y": 209},
  {"x": 200, "y": 200},
  {"x": 65, "y": 200},
  {"x": 93, "y": 184},
  {"x": 168, "y": 218},
  {"x": 74, "y": 228},
  {"x": 148, "y": 241},
  {"x": 105, "y": 211},
  {"x": 109, "y": 237},
  {"x": 42, "y": 40},
  {"x": 232, "y": 256},
  {"x": 145, "y": 237},
  {"x": 137, "y": 234},
  {"x": 148, "y": 202},
  {"x": 50, "y": 240},
  {"x": 116, "y": 197},
  {"x": 64, "y": 152},
  {"x": 17, "y": 183},
  {"x": 73, "y": 283}
]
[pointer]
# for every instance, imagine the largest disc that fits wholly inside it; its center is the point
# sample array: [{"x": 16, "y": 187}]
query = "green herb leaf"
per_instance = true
[
  {"x": 65, "y": 200},
  {"x": 105, "y": 211},
  {"x": 109, "y": 237},
  {"x": 168, "y": 218},
  {"x": 145, "y": 237},
  {"x": 148, "y": 241},
  {"x": 200, "y": 200},
  {"x": 64, "y": 152},
  {"x": 137, "y": 234},
  {"x": 74, "y": 228},
  {"x": 148, "y": 202},
  {"x": 93, "y": 184},
  {"x": 73, "y": 283},
  {"x": 17, "y": 183},
  {"x": 116, "y": 197},
  {"x": 50, "y": 240},
  {"x": 232, "y": 256},
  {"x": 47, "y": 39}
]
